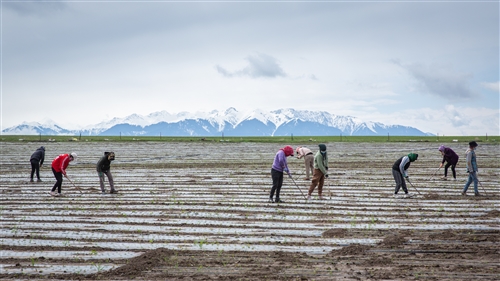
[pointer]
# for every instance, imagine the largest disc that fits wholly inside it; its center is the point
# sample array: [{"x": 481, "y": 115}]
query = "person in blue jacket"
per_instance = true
[{"x": 470, "y": 156}]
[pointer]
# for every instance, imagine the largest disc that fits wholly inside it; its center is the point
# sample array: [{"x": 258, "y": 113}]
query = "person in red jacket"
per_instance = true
[{"x": 59, "y": 165}]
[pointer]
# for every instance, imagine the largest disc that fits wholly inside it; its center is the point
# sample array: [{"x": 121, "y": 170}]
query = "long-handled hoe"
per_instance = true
[
  {"x": 434, "y": 173},
  {"x": 484, "y": 190},
  {"x": 414, "y": 187},
  {"x": 74, "y": 185},
  {"x": 298, "y": 187}
]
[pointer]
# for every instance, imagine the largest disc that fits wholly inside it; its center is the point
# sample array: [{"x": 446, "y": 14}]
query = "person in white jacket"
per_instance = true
[{"x": 308, "y": 156}]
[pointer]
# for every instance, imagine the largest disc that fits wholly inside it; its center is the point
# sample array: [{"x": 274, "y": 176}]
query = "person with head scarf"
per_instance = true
[
  {"x": 308, "y": 159},
  {"x": 471, "y": 165},
  {"x": 280, "y": 166},
  {"x": 104, "y": 168},
  {"x": 36, "y": 160},
  {"x": 59, "y": 165},
  {"x": 320, "y": 172},
  {"x": 451, "y": 159},
  {"x": 400, "y": 172}
]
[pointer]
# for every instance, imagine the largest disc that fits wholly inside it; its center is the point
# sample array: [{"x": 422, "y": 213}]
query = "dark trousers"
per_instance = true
[
  {"x": 59, "y": 179},
  {"x": 277, "y": 183},
  {"x": 35, "y": 167},
  {"x": 400, "y": 181},
  {"x": 452, "y": 169}
]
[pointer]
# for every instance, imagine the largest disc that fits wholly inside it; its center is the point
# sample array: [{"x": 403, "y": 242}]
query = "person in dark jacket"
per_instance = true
[
  {"x": 36, "y": 160},
  {"x": 400, "y": 172},
  {"x": 103, "y": 168},
  {"x": 451, "y": 159}
]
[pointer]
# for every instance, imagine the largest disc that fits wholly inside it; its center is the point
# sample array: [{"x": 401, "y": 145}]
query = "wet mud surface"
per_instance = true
[{"x": 200, "y": 211}]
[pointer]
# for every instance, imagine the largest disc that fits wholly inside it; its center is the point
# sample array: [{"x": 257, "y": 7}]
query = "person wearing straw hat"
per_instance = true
[
  {"x": 470, "y": 156},
  {"x": 59, "y": 165}
]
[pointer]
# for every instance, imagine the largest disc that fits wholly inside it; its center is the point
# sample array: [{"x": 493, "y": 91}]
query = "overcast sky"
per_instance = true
[{"x": 431, "y": 65}]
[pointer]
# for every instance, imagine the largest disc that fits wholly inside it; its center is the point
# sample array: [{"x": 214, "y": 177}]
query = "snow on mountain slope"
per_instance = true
[{"x": 230, "y": 121}]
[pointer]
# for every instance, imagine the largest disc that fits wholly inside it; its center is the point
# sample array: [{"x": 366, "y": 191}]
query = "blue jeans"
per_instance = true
[{"x": 472, "y": 177}]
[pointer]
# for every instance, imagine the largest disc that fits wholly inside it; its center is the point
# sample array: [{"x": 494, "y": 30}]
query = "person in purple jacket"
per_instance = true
[
  {"x": 451, "y": 159},
  {"x": 280, "y": 166}
]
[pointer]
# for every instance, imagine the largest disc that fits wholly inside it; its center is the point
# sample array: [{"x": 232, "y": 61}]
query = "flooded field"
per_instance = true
[{"x": 199, "y": 210}]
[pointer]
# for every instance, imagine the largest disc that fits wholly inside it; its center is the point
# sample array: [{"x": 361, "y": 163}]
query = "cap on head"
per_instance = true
[
  {"x": 413, "y": 157},
  {"x": 322, "y": 147},
  {"x": 473, "y": 144},
  {"x": 73, "y": 154},
  {"x": 42, "y": 147},
  {"x": 288, "y": 150},
  {"x": 441, "y": 148}
]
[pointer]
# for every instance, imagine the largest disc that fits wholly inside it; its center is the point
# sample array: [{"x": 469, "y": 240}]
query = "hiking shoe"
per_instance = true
[
  {"x": 408, "y": 195},
  {"x": 271, "y": 200},
  {"x": 322, "y": 198},
  {"x": 279, "y": 201},
  {"x": 55, "y": 194},
  {"x": 444, "y": 178},
  {"x": 396, "y": 195},
  {"x": 463, "y": 194},
  {"x": 38, "y": 180},
  {"x": 477, "y": 194},
  {"x": 309, "y": 197},
  {"x": 113, "y": 191},
  {"x": 31, "y": 180}
]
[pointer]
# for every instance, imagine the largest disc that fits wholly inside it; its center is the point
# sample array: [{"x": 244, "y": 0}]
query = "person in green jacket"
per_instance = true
[
  {"x": 103, "y": 168},
  {"x": 320, "y": 172}
]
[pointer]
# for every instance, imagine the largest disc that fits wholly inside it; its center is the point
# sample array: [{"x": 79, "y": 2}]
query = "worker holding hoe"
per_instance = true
[
  {"x": 320, "y": 172},
  {"x": 400, "y": 172},
  {"x": 308, "y": 159},
  {"x": 103, "y": 168},
  {"x": 470, "y": 156},
  {"x": 451, "y": 159},
  {"x": 279, "y": 167},
  {"x": 59, "y": 165}
]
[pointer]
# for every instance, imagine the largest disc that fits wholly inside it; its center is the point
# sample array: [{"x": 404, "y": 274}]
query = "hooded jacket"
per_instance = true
[
  {"x": 402, "y": 164},
  {"x": 38, "y": 155},
  {"x": 60, "y": 163},
  {"x": 104, "y": 164}
]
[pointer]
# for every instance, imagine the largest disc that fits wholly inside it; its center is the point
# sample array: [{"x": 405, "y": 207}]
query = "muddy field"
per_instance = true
[{"x": 200, "y": 211}]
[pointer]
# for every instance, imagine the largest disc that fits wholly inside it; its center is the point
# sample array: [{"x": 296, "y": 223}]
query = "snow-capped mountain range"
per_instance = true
[{"x": 281, "y": 122}]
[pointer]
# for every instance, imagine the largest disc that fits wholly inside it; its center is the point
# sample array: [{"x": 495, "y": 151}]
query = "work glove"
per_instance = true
[
  {"x": 326, "y": 176},
  {"x": 289, "y": 175},
  {"x": 407, "y": 178}
]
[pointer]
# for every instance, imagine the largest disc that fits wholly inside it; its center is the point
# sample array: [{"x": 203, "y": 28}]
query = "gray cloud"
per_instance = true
[
  {"x": 440, "y": 81},
  {"x": 455, "y": 117},
  {"x": 260, "y": 65},
  {"x": 34, "y": 7}
]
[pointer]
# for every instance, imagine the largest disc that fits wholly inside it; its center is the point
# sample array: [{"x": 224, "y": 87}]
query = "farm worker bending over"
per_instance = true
[
  {"x": 59, "y": 165},
  {"x": 308, "y": 159},
  {"x": 36, "y": 160},
  {"x": 280, "y": 166},
  {"x": 320, "y": 172},
  {"x": 470, "y": 156},
  {"x": 103, "y": 168},
  {"x": 399, "y": 171},
  {"x": 451, "y": 159}
]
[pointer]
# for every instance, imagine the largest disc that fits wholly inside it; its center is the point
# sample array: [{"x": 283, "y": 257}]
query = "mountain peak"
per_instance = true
[{"x": 257, "y": 122}]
